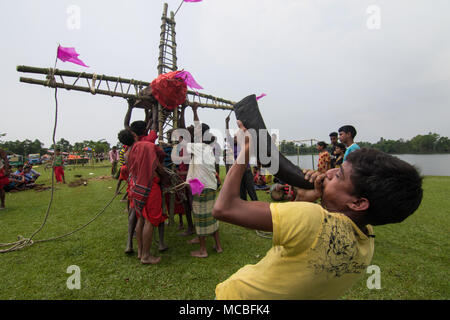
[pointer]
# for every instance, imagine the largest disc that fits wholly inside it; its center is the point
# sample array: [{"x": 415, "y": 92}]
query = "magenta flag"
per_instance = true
[
  {"x": 70, "y": 55},
  {"x": 188, "y": 79},
  {"x": 261, "y": 96},
  {"x": 196, "y": 186}
]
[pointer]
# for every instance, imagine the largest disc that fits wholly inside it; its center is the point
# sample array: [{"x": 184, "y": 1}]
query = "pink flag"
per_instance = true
[
  {"x": 196, "y": 186},
  {"x": 69, "y": 54},
  {"x": 192, "y": 0},
  {"x": 261, "y": 96},
  {"x": 188, "y": 79}
]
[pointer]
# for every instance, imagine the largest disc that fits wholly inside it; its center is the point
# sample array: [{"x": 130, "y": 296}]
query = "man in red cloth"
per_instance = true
[
  {"x": 4, "y": 173},
  {"x": 145, "y": 193}
]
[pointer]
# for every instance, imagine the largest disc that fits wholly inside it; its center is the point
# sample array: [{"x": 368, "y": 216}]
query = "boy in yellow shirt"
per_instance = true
[{"x": 318, "y": 251}]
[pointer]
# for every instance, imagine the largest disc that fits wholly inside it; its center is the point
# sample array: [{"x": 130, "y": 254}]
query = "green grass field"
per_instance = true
[{"x": 413, "y": 256}]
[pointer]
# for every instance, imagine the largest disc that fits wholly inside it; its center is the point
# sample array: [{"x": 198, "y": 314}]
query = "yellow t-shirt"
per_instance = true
[{"x": 316, "y": 254}]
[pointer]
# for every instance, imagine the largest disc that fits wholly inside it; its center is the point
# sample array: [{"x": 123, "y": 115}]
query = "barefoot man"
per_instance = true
[{"x": 145, "y": 194}]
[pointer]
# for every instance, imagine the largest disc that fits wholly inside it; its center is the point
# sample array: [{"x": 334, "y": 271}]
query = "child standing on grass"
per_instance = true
[
  {"x": 58, "y": 163},
  {"x": 202, "y": 167},
  {"x": 4, "y": 173}
]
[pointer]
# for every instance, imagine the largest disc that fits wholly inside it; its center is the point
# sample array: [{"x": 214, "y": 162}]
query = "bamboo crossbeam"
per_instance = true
[
  {"x": 57, "y": 72},
  {"x": 54, "y": 84}
]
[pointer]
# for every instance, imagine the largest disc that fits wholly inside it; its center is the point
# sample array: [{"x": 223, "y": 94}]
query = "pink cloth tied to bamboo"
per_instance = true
[
  {"x": 70, "y": 55},
  {"x": 261, "y": 96},
  {"x": 188, "y": 79},
  {"x": 196, "y": 186}
]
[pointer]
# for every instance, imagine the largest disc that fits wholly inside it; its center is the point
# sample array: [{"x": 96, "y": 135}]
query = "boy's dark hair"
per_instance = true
[
  {"x": 341, "y": 146},
  {"x": 322, "y": 144},
  {"x": 206, "y": 135},
  {"x": 348, "y": 129},
  {"x": 126, "y": 137},
  {"x": 139, "y": 127},
  {"x": 392, "y": 186},
  {"x": 58, "y": 149},
  {"x": 206, "y": 138},
  {"x": 333, "y": 134}
]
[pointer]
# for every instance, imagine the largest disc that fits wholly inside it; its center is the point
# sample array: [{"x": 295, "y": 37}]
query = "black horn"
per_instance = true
[{"x": 248, "y": 112}]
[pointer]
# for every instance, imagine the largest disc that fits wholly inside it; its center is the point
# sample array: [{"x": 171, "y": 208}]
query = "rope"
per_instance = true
[
  {"x": 263, "y": 234},
  {"x": 25, "y": 242}
]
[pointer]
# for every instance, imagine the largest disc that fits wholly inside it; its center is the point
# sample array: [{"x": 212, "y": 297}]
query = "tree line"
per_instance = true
[
  {"x": 420, "y": 144},
  {"x": 27, "y": 146}
]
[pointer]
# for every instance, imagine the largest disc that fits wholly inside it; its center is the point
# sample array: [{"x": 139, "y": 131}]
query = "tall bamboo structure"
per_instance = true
[{"x": 137, "y": 93}]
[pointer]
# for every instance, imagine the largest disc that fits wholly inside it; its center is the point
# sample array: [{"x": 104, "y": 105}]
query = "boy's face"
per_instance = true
[
  {"x": 338, "y": 188},
  {"x": 333, "y": 140},
  {"x": 344, "y": 137}
]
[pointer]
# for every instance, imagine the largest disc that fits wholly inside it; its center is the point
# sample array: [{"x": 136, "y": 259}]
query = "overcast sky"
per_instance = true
[{"x": 382, "y": 66}]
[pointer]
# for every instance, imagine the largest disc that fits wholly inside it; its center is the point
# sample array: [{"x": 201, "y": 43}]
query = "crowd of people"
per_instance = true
[
  {"x": 23, "y": 176},
  {"x": 20, "y": 178},
  {"x": 323, "y": 238}
]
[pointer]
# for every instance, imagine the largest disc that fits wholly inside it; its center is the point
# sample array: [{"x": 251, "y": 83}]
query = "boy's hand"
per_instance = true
[
  {"x": 244, "y": 141},
  {"x": 194, "y": 106},
  {"x": 312, "y": 195}
]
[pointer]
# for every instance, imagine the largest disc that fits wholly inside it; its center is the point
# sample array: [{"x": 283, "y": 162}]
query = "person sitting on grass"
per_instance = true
[
  {"x": 259, "y": 179},
  {"x": 319, "y": 250},
  {"x": 29, "y": 180},
  {"x": 19, "y": 170},
  {"x": 15, "y": 182}
]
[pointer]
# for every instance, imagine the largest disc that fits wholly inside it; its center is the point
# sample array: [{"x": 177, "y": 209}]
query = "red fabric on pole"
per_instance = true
[{"x": 168, "y": 90}]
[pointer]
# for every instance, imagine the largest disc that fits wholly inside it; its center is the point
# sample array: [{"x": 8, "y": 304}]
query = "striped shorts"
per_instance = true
[{"x": 202, "y": 206}]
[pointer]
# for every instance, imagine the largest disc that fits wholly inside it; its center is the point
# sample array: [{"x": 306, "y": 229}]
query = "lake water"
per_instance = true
[{"x": 428, "y": 164}]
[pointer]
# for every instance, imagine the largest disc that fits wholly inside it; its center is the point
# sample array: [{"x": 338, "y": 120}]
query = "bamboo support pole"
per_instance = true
[
  {"x": 57, "y": 72},
  {"x": 161, "y": 41},
  {"x": 53, "y": 84},
  {"x": 174, "y": 48},
  {"x": 227, "y": 105}
]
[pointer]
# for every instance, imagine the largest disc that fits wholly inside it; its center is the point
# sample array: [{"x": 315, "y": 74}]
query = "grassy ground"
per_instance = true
[{"x": 413, "y": 256}]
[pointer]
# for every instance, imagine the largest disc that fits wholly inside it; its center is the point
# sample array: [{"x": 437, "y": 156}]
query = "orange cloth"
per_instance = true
[{"x": 324, "y": 162}]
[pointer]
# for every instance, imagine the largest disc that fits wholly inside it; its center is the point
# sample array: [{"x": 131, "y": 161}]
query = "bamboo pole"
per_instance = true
[
  {"x": 161, "y": 41},
  {"x": 84, "y": 75},
  {"x": 53, "y": 84}
]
